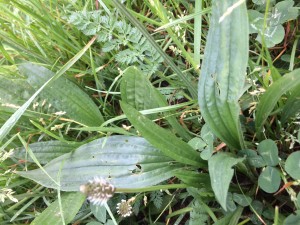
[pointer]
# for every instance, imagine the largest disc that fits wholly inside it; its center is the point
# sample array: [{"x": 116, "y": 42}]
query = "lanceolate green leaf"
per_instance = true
[
  {"x": 5, "y": 129},
  {"x": 137, "y": 91},
  {"x": 128, "y": 162},
  {"x": 45, "y": 151},
  {"x": 162, "y": 139},
  {"x": 54, "y": 215},
  {"x": 223, "y": 70},
  {"x": 63, "y": 94},
  {"x": 221, "y": 173},
  {"x": 268, "y": 101}
]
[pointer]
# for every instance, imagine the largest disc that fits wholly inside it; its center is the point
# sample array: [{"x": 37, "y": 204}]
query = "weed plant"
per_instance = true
[{"x": 149, "y": 112}]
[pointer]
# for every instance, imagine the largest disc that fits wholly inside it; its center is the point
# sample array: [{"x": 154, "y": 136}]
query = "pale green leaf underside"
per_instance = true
[
  {"x": 221, "y": 173},
  {"x": 71, "y": 203},
  {"x": 129, "y": 162},
  {"x": 223, "y": 71}
]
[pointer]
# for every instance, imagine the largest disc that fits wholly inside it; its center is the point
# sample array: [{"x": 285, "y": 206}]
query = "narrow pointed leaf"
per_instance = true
[
  {"x": 223, "y": 70},
  {"x": 137, "y": 91},
  {"x": 268, "y": 101},
  {"x": 162, "y": 139},
  {"x": 128, "y": 162},
  {"x": 63, "y": 94}
]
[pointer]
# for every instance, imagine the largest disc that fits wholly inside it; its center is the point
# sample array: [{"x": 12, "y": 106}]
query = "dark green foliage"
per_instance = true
[{"x": 118, "y": 36}]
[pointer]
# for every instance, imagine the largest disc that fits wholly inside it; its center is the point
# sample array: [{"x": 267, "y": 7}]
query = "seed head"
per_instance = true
[
  {"x": 98, "y": 190},
  {"x": 124, "y": 208}
]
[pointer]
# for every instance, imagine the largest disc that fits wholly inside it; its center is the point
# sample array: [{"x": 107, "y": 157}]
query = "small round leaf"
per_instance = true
[
  {"x": 292, "y": 165},
  {"x": 269, "y": 151},
  {"x": 269, "y": 179}
]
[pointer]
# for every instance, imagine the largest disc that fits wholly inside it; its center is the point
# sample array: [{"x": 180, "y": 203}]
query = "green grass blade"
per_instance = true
[
  {"x": 9, "y": 124},
  {"x": 223, "y": 71},
  {"x": 162, "y": 139},
  {"x": 197, "y": 32},
  {"x": 268, "y": 101}
]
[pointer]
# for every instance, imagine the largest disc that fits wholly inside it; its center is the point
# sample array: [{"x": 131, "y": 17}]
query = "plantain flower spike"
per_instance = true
[{"x": 98, "y": 190}]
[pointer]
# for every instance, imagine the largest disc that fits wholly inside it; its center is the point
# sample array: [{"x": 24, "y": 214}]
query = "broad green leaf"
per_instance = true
[
  {"x": 221, "y": 173},
  {"x": 137, "y": 91},
  {"x": 292, "y": 219},
  {"x": 45, "y": 151},
  {"x": 162, "y": 139},
  {"x": 193, "y": 178},
  {"x": 269, "y": 151},
  {"x": 63, "y": 94},
  {"x": 268, "y": 101},
  {"x": 292, "y": 165},
  {"x": 223, "y": 71},
  {"x": 14, "y": 90},
  {"x": 70, "y": 204},
  {"x": 292, "y": 105},
  {"x": 252, "y": 158},
  {"x": 99, "y": 211},
  {"x": 128, "y": 162},
  {"x": 269, "y": 179},
  {"x": 9, "y": 124}
]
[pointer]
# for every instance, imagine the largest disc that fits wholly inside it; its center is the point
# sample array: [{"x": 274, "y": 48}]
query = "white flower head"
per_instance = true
[
  {"x": 124, "y": 208},
  {"x": 98, "y": 190}
]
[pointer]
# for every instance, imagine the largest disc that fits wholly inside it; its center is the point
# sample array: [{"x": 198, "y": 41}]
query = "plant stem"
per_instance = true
[{"x": 153, "y": 188}]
